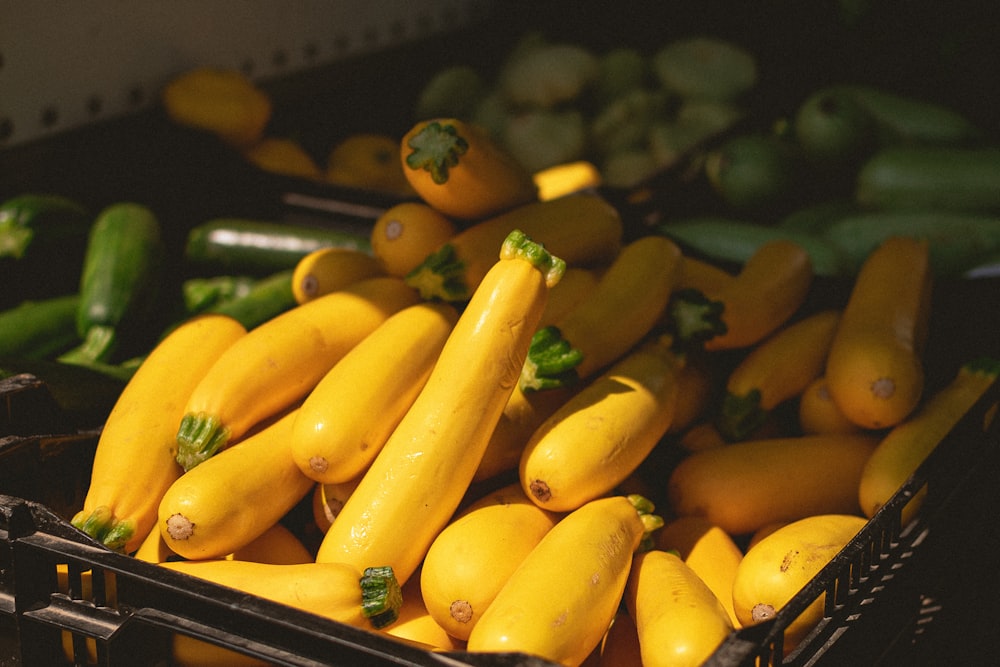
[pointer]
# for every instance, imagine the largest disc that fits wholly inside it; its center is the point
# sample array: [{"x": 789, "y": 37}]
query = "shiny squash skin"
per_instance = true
[
  {"x": 875, "y": 369},
  {"x": 134, "y": 462},
  {"x": 345, "y": 420},
  {"x": 679, "y": 620},
  {"x": 475, "y": 554},
  {"x": 457, "y": 168},
  {"x": 560, "y": 602},
  {"x": 417, "y": 481}
]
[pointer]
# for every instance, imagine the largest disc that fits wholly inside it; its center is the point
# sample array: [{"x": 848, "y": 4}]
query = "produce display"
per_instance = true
[{"x": 517, "y": 415}]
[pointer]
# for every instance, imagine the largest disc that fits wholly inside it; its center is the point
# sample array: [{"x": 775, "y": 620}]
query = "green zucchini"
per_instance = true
[
  {"x": 264, "y": 299},
  {"x": 31, "y": 221},
  {"x": 122, "y": 269},
  {"x": 41, "y": 237},
  {"x": 261, "y": 247},
  {"x": 957, "y": 242},
  {"x": 927, "y": 177},
  {"x": 814, "y": 218},
  {"x": 735, "y": 241},
  {"x": 909, "y": 120},
  {"x": 834, "y": 130},
  {"x": 202, "y": 293},
  {"x": 39, "y": 329}
]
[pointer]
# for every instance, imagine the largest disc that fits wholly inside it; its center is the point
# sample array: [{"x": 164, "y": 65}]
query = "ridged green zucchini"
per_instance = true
[
  {"x": 927, "y": 177},
  {"x": 122, "y": 268},
  {"x": 262, "y": 247},
  {"x": 39, "y": 329}
]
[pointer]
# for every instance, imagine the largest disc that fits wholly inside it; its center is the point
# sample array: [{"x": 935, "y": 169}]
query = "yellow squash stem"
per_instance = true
[{"x": 417, "y": 481}]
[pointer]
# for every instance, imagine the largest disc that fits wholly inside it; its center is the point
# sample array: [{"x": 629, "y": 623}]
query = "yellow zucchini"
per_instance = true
[
  {"x": 522, "y": 415},
  {"x": 417, "y": 481},
  {"x": 769, "y": 288},
  {"x": 279, "y": 362},
  {"x": 776, "y": 370},
  {"x": 475, "y": 554},
  {"x": 744, "y": 485},
  {"x": 406, "y": 233},
  {"x": 709, "y": 551},
  {"x": 559, "y": 603},
  {"x": 679, "y": 620},
  {"x": 581, "y": 229},
  {"x": 782, "y": 563},
  {"x": 235, "y": 496},
  {"x": 875, "y": 369},
  {"x": 459, "y": 169},
  {"x": 909, "y": 443},
  {"x": 134, "y": 462},
  {"x": 600, "y": 436},
  {"x": 347, "y": 417},
  {"x": 620, "y": 647},
  {"x": 819, "y": 414},
  {"x": 626, "y": 304},
  {"x": 368, "y": 598},
  {"x": 415, "y": 624},
  {"x": 702, "y": 275},
  {"x": 329, "y": 499},
  {"x": 330, "y": 269},
  {"x": 576, "y": 285},
  {"x": 703, "y": 435},
  {"x": 698, "y": 381},
  {"x": 277, "y": 545}
]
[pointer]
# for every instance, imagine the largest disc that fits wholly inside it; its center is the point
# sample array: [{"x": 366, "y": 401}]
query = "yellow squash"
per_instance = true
[
  {"x": 459, "y": 169},
  {"x": 679, "y": 620},
  {"x": 776, "y": 370},
  {"x": 335, "y": 591},
  {"x": 560, "y": 602},
  {"x": 347, "y": 417},
  {"x": 329, "y": 499},
  {"x": 221, "y": 101},
  {"x": 134, "y": 462},
  {"x": 819, "y": 414},
  {"x": 330, "y": 269},
  {"x": 581, "y": 229},
  {"x": 475, "y": 554},
  {"x": 599, "y": 437},
  {"x": 767, "y": 291},
  {"x": 417, "y": 481},
  {"x": 875, "y": 369},
  {"x": 626, "y": 304},
  {"x": 406, "y": 233},
  {"x": 279, "y": 362},
  {"x": 416, "y": 625},
  {"x": 235, "y": 496},
  {"x": 909, "y": 443},
  {"x": 780, "y": 564},
  {"x": 709, "y": 551},
  {"x": 745, "y": 485}
]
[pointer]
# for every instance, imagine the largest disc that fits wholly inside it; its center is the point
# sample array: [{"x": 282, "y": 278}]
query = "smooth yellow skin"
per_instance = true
[
  {"x": 581, "y": 229},
  {"x": 745, "y": 485},
  {"x": 417, "y": 481},
  {"x": 768, "y": 290},
  {"x": 784, "y": 364},
  {"x": 330, "y": 269},
  {"x": 221, "y": 101},
  {"x": 331, "y": 590},
  {"x": 599, "y": 437},
  {"x": 560, "y": 602},
  {"x": 679, "y": 620},
  {"x": 415, "y": 624},
  {"x": 281, "y": 155},
  {"x": 906, "y": 446},
  {"x": 576, "y": 285},
  {"x": 709, "y": 551},
  {"x": 485, "y": 181},
  {"x": 277, "y": 545},
  {"x": 567, "y": 178},
  {"x": 703, "y": 276},
  {"x": 369, "y": 162},
  {"x": 329, "y": 499},
  {"x": 875, "y": 368},
  {"x": 780, "y": 564},
  {"x": 819, "y": 414},
  {"x": 620, "y": 647},
  {"x": 472, "y": 558},
  {"x": 232, "y": 498},
  {"x": 281, "y": 360},
  {"x": 406, "y": 233},
  {"x": 134, "y": 462},
  {"x": 626, "y": 303},
  {"x": 345, "y": 420}
]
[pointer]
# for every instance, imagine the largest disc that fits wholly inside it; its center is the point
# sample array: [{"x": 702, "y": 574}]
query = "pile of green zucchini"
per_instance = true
[{"x": 87, "y": 295}]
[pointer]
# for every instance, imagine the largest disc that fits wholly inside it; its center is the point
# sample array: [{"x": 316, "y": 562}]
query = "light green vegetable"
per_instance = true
[
  {"x": 705, "y": 67},
  {"x": 548, "y": 75},
  {"x": 544, "y": 138},
  {"x": 453, "y": 92}
]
